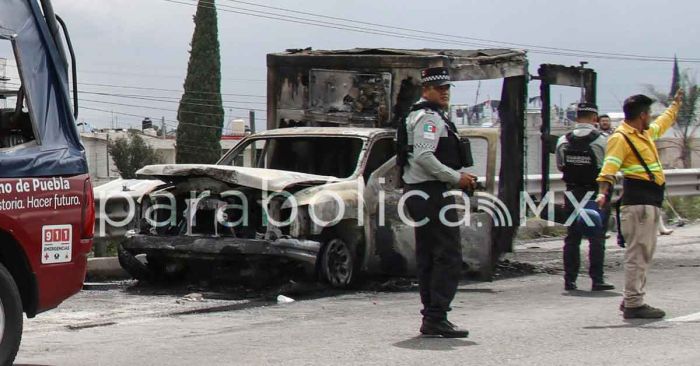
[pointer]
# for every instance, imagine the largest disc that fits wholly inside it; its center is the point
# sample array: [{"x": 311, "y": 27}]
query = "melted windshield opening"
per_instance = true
[{"x": 328, "y": 156}]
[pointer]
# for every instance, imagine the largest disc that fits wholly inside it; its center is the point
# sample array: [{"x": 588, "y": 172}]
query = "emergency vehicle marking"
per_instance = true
[
  {"x": 37, "y": 194},
  {"x": 56, "y": 244}
]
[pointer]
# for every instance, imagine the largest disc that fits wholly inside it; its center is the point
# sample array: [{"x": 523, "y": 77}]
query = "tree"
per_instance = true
[
  {"x": 131, "y": 154},
  {"x": 687, "y": 125},
  {"x": 201, "y": 114},
  {"x": 676, "y": 79}
]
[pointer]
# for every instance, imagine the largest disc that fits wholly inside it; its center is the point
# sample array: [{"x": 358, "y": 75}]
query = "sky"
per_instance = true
[{"x": 145, "y": 44}]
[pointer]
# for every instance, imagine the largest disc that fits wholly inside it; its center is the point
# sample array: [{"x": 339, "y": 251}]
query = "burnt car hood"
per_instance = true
[{"x": 265, "y": 179}]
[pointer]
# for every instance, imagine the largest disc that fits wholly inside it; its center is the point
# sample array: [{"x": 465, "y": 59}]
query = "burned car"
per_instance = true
[
  {"x": 321, "y": 199},
  {"x": 320, "y": 189}
]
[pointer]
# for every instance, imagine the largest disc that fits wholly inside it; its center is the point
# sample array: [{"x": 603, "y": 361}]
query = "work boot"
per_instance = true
[
  {"x": 643, "y": 312},
  {"x": 602, "y": 286},
  {"x": 622, "y": 306},
  {"x": 570, "y": 286},
  {"x": 442, "y": 328}
]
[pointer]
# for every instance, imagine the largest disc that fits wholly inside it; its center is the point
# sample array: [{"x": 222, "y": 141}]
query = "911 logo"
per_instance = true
[{"x": 56, "y": 244}]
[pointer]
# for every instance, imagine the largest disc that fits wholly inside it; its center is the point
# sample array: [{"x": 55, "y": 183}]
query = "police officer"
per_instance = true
[
  {"x": 579, "y": 156},
  {"x": 433, "y": 163}
]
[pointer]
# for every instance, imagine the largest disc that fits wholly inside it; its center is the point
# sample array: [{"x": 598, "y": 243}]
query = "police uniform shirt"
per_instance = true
[
  {"x": 424, "y": 129},
  {"x": 582, "y": 130}
]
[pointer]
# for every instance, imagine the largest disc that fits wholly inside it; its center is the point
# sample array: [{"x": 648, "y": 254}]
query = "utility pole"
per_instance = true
[
  {"x": 163, "y": 131},
  {"x": 251, "y": 116},
  {"x": 107, "y": 155},
  {"x": 253, "y": 150},
  {"x": 583, "y": 81}
]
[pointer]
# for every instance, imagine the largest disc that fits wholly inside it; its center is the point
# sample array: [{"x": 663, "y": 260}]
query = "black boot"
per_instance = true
[
  {"x": 643, "y": 312},
  {"x": 442, "y": 328},
  {"x": 602, "y": 286}
]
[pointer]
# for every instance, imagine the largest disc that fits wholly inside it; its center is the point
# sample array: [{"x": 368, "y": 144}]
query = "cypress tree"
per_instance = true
[
  {"x": 676, "y": 78},
  {"x": 200, "y": 114}
]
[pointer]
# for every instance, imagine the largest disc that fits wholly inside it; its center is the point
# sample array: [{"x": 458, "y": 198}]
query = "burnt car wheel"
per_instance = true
[
  {"x": 132, "y": 265},
  {"x": 10, "y": 317},
  {"x": 338, "y": 263}
]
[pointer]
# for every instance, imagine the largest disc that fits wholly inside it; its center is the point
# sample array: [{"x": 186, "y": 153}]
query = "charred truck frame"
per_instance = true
[{"x": 331, "y": 128}]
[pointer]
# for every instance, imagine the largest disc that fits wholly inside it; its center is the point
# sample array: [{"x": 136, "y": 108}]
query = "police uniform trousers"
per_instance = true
[
  {"x": 438, "y": 248},
  {"x": 572, "y": 243}
]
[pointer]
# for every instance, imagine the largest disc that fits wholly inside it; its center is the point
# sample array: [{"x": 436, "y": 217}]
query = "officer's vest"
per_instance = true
[
  {"x": 580, "y": 165},
  {"x": 451, "y": 150}
]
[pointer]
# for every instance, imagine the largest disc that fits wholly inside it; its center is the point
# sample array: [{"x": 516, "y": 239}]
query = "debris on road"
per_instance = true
[
  {"x": 90, "y": 325},
  {"x": 281, "y": 299},
  {"x": 193, "y": 297}
]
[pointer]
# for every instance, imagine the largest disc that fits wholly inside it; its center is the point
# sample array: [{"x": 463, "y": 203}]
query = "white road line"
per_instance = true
[{"x": 687, "y": 318}]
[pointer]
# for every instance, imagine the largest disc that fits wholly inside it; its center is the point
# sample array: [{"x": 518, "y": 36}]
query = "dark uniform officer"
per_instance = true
[
  {"x": 432, "y": 165},
  {"x": 580, "y": 156}
]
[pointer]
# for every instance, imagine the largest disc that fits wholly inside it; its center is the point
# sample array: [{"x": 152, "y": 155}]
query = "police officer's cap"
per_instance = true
[
  {"x": 436, "y": 76},
  {"x": 587, "y": 107}
]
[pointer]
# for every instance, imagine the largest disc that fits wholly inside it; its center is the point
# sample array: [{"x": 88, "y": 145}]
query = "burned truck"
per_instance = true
[{"x": 320, "y": 190}]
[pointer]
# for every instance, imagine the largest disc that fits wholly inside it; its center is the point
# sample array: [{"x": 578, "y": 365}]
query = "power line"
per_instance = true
[
  {"x": 168, "y": 90},
  {"x": 169, "y": 100},
  {"x": 172, "y": 123},
  {"x": 531, "y": 46},
  {"x": 141, "y": 116},
  {"x": 170, "y": 110},
  {"x": 151, "y": 75},
  {"x": 306, "y": 21},
  {"x": 291, "y": 19},
  {"x": 159, "y": 75},
  {"x": 116, "y": 86}
]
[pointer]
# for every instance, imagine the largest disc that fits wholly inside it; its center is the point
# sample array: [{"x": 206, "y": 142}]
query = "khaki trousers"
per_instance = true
[{"x": 639, "y": 225}]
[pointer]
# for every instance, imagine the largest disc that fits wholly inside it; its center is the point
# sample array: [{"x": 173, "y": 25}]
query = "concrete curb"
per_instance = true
[{"x": 105, "y": 268}]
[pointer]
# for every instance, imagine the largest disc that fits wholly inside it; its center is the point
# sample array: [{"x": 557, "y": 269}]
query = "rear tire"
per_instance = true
[{"x": 11, "y": 317}]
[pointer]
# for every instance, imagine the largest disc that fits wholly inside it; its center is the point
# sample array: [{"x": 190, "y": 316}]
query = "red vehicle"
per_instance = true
[{"x": 46, "y": 200}]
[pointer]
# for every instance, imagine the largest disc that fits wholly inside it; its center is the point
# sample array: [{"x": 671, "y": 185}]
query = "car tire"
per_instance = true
[
  {"x": 11, "y": 317},
  {"x": 339, "y": 264},
  {"x": 132, "y": 265}
]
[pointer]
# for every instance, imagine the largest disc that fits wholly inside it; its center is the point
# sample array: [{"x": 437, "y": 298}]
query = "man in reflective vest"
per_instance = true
[{"x": 632, "y": 150}]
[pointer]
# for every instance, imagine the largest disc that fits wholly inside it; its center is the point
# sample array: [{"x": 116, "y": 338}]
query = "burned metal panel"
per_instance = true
[
  {"x": 212, "y": 247},
  {"x": 267, "y": 179},
  {"x": 511, "y": 177},
  {"x": 573, "y": 76},
  {"x": 407, "y": 87},
  {"x": 291, "y": 93},
  {"x": 350, "y": 97}
]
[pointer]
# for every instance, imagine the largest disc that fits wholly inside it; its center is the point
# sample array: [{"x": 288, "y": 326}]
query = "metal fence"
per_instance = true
[{"x": 679, "y": 182}]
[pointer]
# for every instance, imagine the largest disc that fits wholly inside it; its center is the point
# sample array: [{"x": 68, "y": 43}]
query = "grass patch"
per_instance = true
[{"x": 687, "y": 207}]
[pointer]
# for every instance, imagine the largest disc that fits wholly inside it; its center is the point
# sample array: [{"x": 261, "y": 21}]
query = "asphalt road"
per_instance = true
[{"x": 523, "y": 320}]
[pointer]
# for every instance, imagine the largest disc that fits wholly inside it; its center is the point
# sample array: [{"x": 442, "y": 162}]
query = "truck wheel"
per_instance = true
[
  {"x": 10, "y": 317},
  {"x": 338, "y": 263},
  {"x": 132, "y": 265}
]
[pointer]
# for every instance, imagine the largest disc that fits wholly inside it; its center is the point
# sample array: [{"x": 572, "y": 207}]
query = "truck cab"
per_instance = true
[{"x": 46, "y": 199}]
